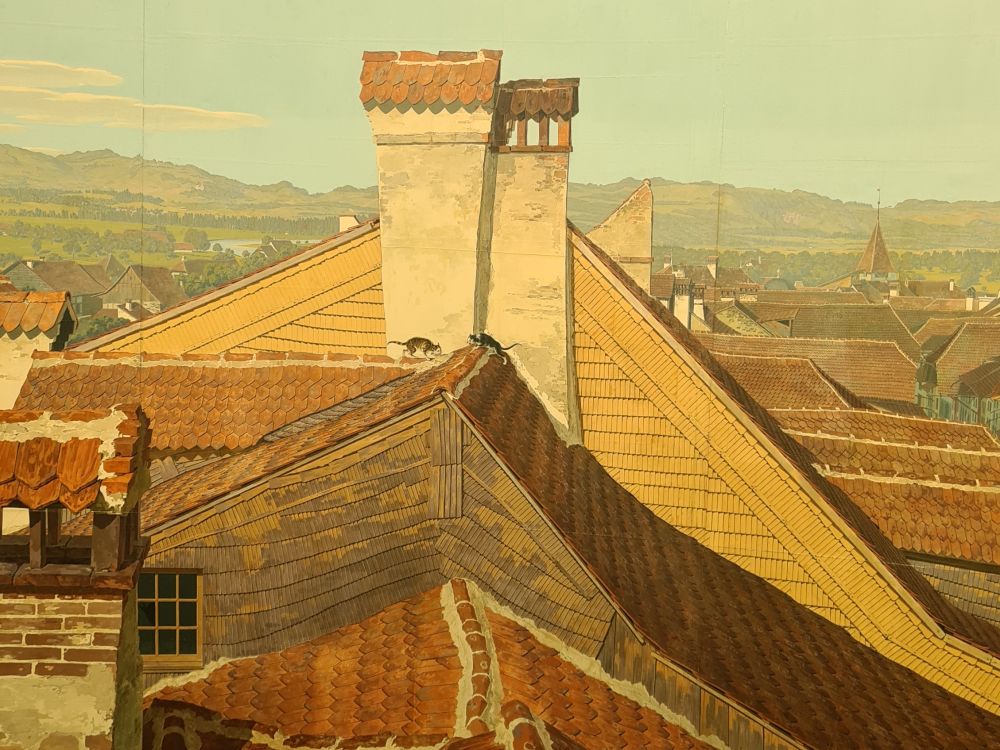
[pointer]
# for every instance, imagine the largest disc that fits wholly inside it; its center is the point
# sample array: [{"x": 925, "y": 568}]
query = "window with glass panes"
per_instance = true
[{"x": 169, "y": 614}]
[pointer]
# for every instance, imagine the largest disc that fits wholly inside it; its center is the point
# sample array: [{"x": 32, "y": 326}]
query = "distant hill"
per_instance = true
[{"x": 752, "y": 218}]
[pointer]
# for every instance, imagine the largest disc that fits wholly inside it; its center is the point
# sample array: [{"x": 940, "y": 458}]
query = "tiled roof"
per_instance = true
[
  {"x": 67, "y": 275},
  {"x": 661, "y": 284},
  {"x": 871, "y": 369},
  {"x": 423, "y": 77},
  {"x": 872, "y": 322},
  {"x": 934, "y": 289},
  {"x": 932, "y": 487},
  {"x": 531, "y": 98},
  {"x": 875, "y": 258},
  {"x": 931, "y": 519},
  {"x": 161, "y": 284},
  {"x": 205, "y": 401},
  {"x": 870, "y": 425},
  {"x": 32, "y": 311},
  {"x": 5, "y": 285},
  {"x": 937, "y": 326},
  {"x": 172, "y": 498},
  {"x": 787, "y": 383},
  {"x": 74, "y": 458},
  {"x": 810, "y": 297},
  {"x": 732, "y": 629},
  {"x": 288, "y": 305},
  {"x": 972, "y": 344},
  {"x": 398, "y": 677},
  {"x": 950, "y": 618},
  {"x": 984, "y": 381}
]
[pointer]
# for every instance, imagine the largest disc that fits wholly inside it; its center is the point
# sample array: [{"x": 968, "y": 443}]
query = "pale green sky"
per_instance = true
[{"x": 835, "y": 97}]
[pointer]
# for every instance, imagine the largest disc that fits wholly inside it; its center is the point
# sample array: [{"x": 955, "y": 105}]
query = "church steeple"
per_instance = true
[{"x": 875, "y": 262}]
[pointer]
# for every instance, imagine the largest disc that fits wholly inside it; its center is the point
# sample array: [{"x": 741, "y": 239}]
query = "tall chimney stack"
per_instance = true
[{"x": 431, "y": 116}]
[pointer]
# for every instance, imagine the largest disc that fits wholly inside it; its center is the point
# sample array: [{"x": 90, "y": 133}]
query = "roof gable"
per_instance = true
[
  {"x": 326, "y": 298},
  {"x": 28, "y": 312},
  {"x": 627, "y": 233}
]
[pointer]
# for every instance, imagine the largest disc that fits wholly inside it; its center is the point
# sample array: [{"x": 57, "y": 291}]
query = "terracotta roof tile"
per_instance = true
[
  {"x": 974, "y": 343},
  {"x": 185, "y": 396},
  {"x": 734, "y": 614},
  {"x": 31, "y": 311},
  {"x": 398, "y": 676},
  {"x": 870, "y": 369},
  {"x": 72, "y": 459},
  {"x": 787, "y": 383},
  {"x": 875, "y": 258},
  {"x": 468, "y": 77}
]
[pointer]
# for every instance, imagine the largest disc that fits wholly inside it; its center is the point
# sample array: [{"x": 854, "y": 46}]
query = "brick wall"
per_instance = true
[{"x": 60, "y": 671}]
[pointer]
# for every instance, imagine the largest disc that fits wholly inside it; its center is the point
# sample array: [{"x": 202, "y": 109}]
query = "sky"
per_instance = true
[{"x": 838, "y": 98}]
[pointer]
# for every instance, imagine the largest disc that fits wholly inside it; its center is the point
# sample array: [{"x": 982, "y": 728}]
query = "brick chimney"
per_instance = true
[
  {"x": 473, "y": 181},
  {"x": 70, "y": 670}
]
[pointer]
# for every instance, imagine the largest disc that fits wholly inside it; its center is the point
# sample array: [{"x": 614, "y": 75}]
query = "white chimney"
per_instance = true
[{"x": 713, "y": 266}]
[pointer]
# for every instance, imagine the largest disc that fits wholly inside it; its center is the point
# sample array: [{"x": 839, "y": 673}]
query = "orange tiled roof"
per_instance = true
[
  {"x": 423, "y": 77},
  {"x": 32, "y": 311},
  {"x": 398, "y": 677},
  {"x": 787, "y": 383},
  {"x": 972, "y": 344},
  {"x": 932, "y": 487},
  {"x": 205, "y": 401},
  {"x": 870, "y": 369},
  {"x": 73, "y": 458},
  {"x": 875, "y": 258},
  {"x": 926, "y": 518}
]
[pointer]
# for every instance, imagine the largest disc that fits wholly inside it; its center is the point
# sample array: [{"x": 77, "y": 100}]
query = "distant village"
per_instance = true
[{"x": 464, "y": 476}]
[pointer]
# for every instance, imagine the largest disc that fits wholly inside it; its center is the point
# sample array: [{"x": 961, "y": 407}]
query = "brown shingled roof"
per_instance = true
[
  {"x": 788, "y": 383},
  {"x": 732, "y": 629},
  {"x": 397, "y": 676},
  {"x": 974, "y": 343},
  {"x": 425, "y": 78},
  {"x": 205, "y": 401},
  {"x": 871, "y": 369},
  {"x": 875, "y": 258},
  {"x": 872, "y": 322},
  {"x": 70, "y": 458},
  {"x": 32, "y": 311}
]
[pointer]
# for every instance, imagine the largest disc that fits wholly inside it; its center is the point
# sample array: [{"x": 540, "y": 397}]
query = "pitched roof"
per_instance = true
[
  {"x": 5, "y": 285},
  {"x": 98, "y": 273},
  {"x": 951, "y": 619},
  {"x": 423, "y": 77},
  {"x": 161, "y": 284},
  {"x": 872, "y": 322},
  {"x": 848, "y": 362},
  {"x": 204, "y": 401},
  {"x": 33, "y": 311},
  {"x": 787, "y": 383},
  {"x": 733, "y": 615},
  {"x": 173, "y": 498},
  {"x": 939, "y": 326},
  {"x": 399, "y": 674},
  {"x": 875, "y": 258},
  {"x": 932, "y": 487},
  {"x": 627, "y": 233},
  {"x": 666, "y": 583},
  {"x": 288, "y": 305},
  {"x": 810, "y": 297},
  {"x": 983, "y": 381},
  {"x": 67, "y": 275},
  {"x": 71, "y": 458},
  {"x": 934, "y": 289},
  {"x": 974, "y": 343}
]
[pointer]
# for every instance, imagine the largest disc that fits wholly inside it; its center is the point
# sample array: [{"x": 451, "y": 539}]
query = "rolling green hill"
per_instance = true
[{"x": 752, "y": 218}]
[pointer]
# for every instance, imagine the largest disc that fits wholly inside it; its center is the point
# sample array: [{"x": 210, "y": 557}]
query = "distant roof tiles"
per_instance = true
[
  {"x": 788, "y": 383},
  {"x": 425, "y": 78},
  {"x": 875, "y": 258},
  {"x": 870, "y": 369},
  {"x": 71, "y": 458}
]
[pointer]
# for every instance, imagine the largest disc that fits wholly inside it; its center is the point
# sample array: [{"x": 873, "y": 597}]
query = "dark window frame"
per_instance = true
[{"x": 171, "y": 662}]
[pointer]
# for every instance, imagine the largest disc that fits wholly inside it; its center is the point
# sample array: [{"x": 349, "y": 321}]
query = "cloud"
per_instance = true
[
  {"x": 40, "y": 105},
  {"x": 43, "y": 73}
]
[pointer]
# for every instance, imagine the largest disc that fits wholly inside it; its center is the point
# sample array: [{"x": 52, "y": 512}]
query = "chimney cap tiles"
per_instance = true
[
  {"x": 414, "y": 78},
  {"x": 536, "y": 97}
]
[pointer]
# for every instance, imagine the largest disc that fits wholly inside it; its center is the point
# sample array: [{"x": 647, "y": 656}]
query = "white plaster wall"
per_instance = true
[
  {"x": 15, "y": 361},
  {"x": 421, "y": 123},
  {"x": 429, "y": 198},
  {"x": 528, "y": 289}
]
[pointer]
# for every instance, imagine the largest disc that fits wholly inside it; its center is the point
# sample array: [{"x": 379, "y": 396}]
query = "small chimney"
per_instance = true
[
  {"x": 348, "y": 221},
  {"x": 713, "y": 266}
]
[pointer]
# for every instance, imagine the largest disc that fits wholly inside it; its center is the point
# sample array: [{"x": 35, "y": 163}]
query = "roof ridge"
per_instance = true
[
  {"x": 896, "y": 444},
  {"x": 99, "y": 358}
]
